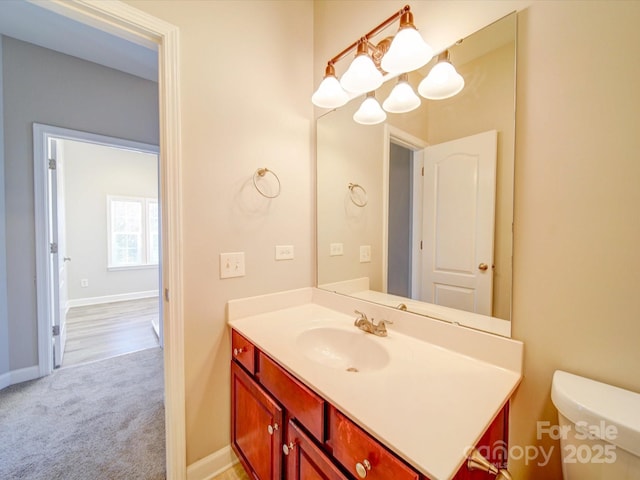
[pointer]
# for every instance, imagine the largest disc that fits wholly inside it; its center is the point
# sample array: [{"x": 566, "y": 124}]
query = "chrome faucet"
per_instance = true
[{"x": 369, "y": 326}]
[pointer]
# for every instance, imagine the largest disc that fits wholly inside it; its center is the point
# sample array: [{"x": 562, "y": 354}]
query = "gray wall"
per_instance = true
[
  {"x": 4, "y": 326},
  {"x": 400, "y": 221},
  {"x": 47, "y": 87}
]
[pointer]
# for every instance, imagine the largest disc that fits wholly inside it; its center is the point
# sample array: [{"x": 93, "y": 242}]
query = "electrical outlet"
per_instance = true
[
  {"x": 336, "y": 249},
  {"x": 365, "y": 253},
  {"x": 232, "y": 265},
  {"x": 84, "y": 283},
  {"x": 284, "y": 252}
]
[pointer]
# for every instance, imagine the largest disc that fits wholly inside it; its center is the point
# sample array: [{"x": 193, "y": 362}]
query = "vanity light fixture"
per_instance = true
[
  {"x": 405, "y": 52},
  {"x": 402, "y": 98},
  {"x": 363, "y": 74},
  {"x": 370, "y": 112},
  {"x": 443, "y": 81},
  {"x": 330, "y": 94},
  {"x": 408, "y": 50}
]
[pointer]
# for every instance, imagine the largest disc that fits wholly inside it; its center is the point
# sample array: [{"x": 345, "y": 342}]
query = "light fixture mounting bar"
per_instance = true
[{"x": 370, "y": 34}]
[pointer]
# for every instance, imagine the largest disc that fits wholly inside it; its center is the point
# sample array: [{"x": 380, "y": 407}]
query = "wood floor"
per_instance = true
[
  {"x": 234, "y": 473},
  {"x": 96, "y": 332}
]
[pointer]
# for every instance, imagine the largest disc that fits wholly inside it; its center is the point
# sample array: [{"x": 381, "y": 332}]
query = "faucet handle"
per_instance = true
[{"x": 361, "y": 316}]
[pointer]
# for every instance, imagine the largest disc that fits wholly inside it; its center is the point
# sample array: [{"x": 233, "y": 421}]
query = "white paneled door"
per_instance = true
[
  {"x": 59, "y": 259},
  {"x": 458, "y": 223}
]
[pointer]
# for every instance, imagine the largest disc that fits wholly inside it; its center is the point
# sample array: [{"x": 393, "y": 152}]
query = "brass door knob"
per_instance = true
[{"x": 483, "y": 266}]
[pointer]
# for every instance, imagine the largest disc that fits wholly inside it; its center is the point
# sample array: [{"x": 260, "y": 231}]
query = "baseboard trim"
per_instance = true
[
  {"x": 5, "y": 380},
  {"x": 18, "y": 376},
  {"x": 212, "y": 465},
  {"x": 83, "y": 302}
]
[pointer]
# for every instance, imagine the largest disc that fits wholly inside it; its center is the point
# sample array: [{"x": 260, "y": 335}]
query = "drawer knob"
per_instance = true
[
  {"x": 286, "y": 449},
  {"x": 272, "y": 428},
  {"x": 363, "y": 468},
  {"x": 238, "y": 351}
]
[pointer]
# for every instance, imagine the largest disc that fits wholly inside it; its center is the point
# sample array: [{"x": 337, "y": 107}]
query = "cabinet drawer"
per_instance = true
[
  {"x": 243, "y": 351},
  {"x": 300, "y": 402},
  {"x": 354, "y": 448}
]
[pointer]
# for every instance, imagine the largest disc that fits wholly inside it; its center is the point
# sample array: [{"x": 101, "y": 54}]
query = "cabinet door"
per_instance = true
[
  {"x": 305, "y": 460},
  {"x": 256, "y": 427}
]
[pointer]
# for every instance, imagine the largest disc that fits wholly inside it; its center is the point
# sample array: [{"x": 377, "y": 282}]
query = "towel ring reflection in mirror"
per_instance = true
[
  {"x": 261, "y": 174},
  {"x": 358, "y": 194}
]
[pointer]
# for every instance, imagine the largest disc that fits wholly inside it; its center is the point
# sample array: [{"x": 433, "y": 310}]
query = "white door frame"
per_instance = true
[
  {"x": 135, "y": 25},
  {"x": 45, "y": 283},
  {"x": 416, "y": 145}
]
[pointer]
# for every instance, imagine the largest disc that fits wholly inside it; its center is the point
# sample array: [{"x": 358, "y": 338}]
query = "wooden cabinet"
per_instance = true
[
  {"x": 243, "y": 352},
  {"x": 256, "y": 426},
  {"x": 361, "y": 454},
  {"x": 283, "y": 430},
  {"x": 493, "y": 445},
  {"x": 300, "y": 401},
  {"x": 305, "y": 460}
]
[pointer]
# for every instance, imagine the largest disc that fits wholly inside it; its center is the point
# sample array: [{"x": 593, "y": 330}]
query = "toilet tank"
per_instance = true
[{"x": 599, "y": 429}]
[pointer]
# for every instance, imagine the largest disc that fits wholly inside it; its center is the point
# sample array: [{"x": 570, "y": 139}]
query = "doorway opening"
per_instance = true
[
  {"x": 403, "y": 162},
  {"x": 98, "y": 292}
]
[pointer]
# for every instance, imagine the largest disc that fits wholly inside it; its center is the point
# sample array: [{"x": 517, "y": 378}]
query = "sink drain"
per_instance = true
[{"x": 352, "y": 369}]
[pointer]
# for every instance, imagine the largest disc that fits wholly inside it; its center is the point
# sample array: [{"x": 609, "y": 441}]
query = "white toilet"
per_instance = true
[{"x": 599, "y": 429}]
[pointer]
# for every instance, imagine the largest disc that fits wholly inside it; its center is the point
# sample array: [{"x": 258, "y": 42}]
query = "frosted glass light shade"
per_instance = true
[
  {"x": 408, "y": 52},
  {"x": 443, "y": 81},
  {"x": 361, "y": 76},
  {"x": 330, "y": 94},
  {"x": 370, "y": 112},
  {"x": 402, "y": 98}
]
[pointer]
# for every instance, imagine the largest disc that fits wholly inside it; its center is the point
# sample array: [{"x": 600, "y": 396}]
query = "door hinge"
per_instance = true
[
  {"x": 166, "y": 294},
  {"x": 420, "y": 244},
  {"x": 423, "y": 171},
  {"x": 52, "y": 164},
  {"x": 56, "y": 330},
  {"x": 53, "y": 248}
]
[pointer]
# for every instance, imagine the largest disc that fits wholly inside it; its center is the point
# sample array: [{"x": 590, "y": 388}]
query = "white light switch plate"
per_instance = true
[
  {"x": 232, "y": 265},
  {"x": 365, "y": 253},
  {"x": 284, "y": 252}
]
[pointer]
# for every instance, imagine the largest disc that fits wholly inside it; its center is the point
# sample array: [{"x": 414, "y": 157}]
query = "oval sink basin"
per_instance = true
[{"x": 353, "y": 351}]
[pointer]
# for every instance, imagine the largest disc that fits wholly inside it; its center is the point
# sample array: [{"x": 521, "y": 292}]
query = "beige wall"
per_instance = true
[
  {"x": 349, "y": 153},
  {"x": 246, "y": 77},
  {"x": 577, "y": 262}
]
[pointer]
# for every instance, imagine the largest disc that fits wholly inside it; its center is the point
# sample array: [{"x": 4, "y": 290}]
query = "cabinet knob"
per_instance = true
[
  {"x": 286, "y": 449},
  {"x": 363, "y": 468},
  {"x": 272, "y": 428},
  {"x": 238, "y": 351}
]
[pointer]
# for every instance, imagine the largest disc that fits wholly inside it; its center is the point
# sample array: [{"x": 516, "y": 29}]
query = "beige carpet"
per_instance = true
[{"x": 103, "y": 420}]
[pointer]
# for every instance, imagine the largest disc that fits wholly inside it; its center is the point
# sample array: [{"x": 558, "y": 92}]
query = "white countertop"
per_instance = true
[{"x": 428, "y": 404}]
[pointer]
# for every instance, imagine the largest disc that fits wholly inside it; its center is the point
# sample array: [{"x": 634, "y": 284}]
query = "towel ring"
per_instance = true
[
  {"x": 260, "y": 173},
  {"x": 359, "y": 199}
]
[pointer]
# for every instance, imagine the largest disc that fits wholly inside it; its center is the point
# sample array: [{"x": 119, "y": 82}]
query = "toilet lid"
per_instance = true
[{"x": 608, "y": 412}]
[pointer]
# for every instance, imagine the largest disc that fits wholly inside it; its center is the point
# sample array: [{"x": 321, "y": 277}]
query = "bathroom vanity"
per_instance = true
[{"x": 313, "y": 396}]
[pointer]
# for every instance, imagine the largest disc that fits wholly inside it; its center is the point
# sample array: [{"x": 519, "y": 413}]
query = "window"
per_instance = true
[{"x": 133, "y": 231}]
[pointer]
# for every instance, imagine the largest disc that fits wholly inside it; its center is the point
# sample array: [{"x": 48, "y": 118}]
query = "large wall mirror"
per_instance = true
[{"x": 403, "y": 218}]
